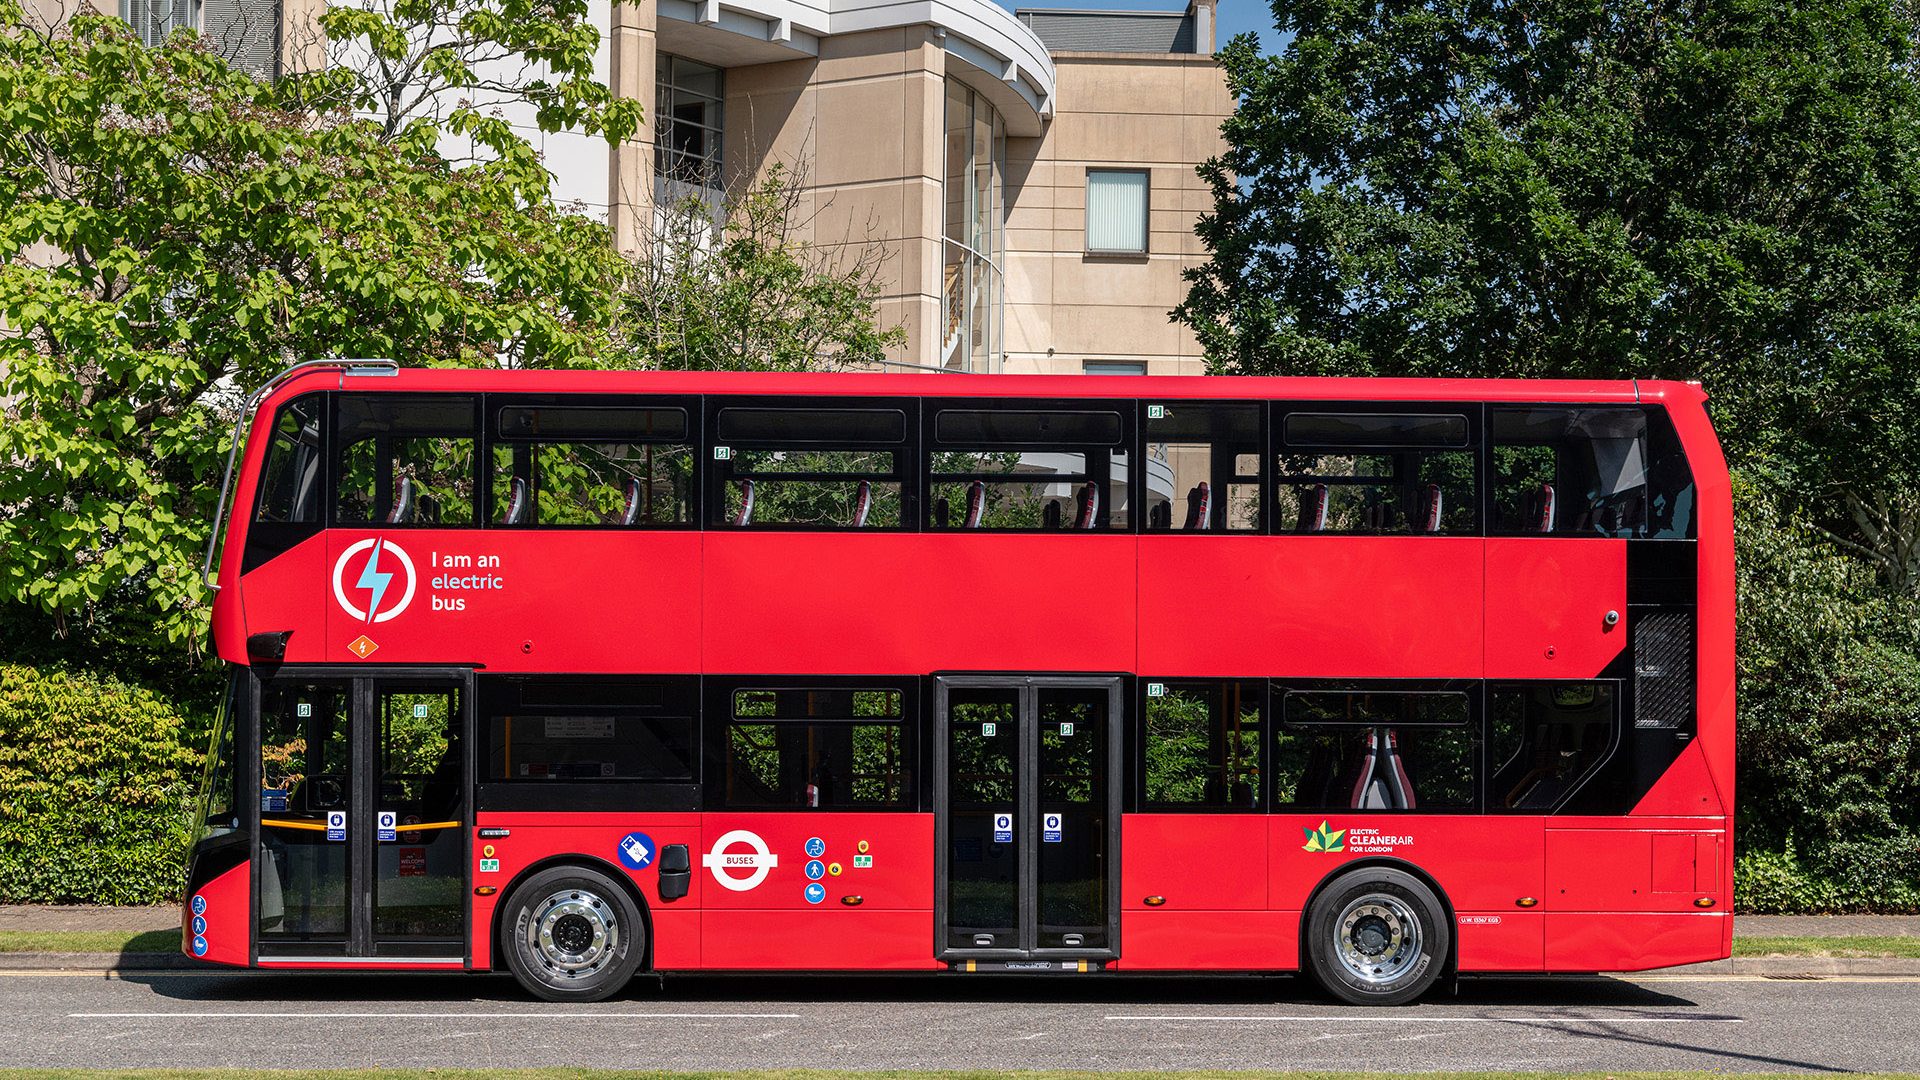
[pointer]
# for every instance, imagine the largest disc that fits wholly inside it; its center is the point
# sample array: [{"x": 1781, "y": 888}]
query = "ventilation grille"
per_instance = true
[{"x": 1662, "y": 669}]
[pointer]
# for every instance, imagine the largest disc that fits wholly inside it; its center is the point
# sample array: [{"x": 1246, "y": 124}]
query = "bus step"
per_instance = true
[{"x": 1038, "y": 967}]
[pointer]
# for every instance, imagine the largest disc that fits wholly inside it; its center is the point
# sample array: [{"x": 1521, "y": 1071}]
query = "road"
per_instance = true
[{"x": 196, "y": 1019}]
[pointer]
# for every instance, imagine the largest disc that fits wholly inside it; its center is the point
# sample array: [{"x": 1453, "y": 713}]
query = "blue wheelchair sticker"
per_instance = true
[
  {"x": 816, "y": 847},
  {"x": 199, "y": 904}
]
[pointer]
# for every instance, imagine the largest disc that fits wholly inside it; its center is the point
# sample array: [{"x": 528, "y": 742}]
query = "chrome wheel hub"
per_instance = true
[
  {"x": 573, "y": 934},
  {"x": 1378, "y": 938}
]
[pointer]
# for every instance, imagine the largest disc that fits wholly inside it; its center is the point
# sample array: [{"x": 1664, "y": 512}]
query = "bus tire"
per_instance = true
[
  {"x": 570, "y": 933},
  {"x": 1377, "y": 936}
]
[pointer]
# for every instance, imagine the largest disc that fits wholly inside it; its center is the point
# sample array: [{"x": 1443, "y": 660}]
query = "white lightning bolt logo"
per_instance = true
[
  {"x": 372, "y": 578},
  {"x": 375, "y": 580}
]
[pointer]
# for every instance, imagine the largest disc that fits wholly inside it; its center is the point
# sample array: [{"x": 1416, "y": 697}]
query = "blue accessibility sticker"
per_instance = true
[
  {"x": 815, "y": 870},
  {"x": 199, "y": 904},
  {"x": 816, "y": 892},
  {"x": 1050, "y": 829},
  {"x": 199, "y": 924},
  {"x": 637, "y": 850},
  {"x": 199, "y": 946},
  {"x": 816, "y": 847}
]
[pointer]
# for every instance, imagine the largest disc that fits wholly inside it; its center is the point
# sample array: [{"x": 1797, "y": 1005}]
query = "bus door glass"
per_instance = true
[
  {"x": 363, "y": 812},
  {"x": 1027, "y": 817}
]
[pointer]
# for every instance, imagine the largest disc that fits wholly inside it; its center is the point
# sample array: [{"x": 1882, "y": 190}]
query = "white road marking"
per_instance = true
[
  {"x": 528, "y": 1014},
  {"x": 1368, "y": 1018}
]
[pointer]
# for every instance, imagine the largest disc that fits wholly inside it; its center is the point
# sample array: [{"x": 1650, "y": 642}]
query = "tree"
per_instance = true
[
  {"x": 173, "y": 232},
  {"x": 732, "y": 286},
  {"x": 1722, "y": 190}
]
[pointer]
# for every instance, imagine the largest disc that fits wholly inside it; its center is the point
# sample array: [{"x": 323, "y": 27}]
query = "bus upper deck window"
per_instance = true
[
  {"x": 290, "y": 482},
  {"x": 405, "y": 459},
  {"x": 816, "y": 467},
  {"x": 1028, "y": 469},
  {"x": 1389, "y": 473},
  {"x": 1203, "y": 467},
  {"x": 1586, "y": 472},
  {"x": 597, "y": 466}
]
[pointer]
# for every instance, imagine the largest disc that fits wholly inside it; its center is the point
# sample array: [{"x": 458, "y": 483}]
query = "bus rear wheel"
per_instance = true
[
  {"x": 1377, "y": 936},
  {"x": 572, "y": 934}
]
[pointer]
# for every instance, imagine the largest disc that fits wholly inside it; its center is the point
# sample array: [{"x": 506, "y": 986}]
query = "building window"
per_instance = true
[
  {"x": 153, "y": 20},
  {"x": 1113, "y": 367},
  {"x": 1117, "y": 211},
  {"x": 971, "y": 282},
  {"x": 688, "y": 127}
]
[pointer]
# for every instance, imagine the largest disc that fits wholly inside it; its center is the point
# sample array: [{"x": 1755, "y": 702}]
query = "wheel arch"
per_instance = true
[
  {"x": 620, "y": 877},
  {"x": 1450, "y": 965}
]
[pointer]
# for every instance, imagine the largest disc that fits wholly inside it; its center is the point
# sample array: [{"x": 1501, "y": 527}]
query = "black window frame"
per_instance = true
[
  {"x": 495, "y": 406},
  {"x": 335, "y": 447},
  {"x": 530, "y": 795},
  {"x": 718, "y": 708},
  {"x": 1127, "y": 442},
  {"x": 1663, "y": 451},
  {"x": 1475, "y": 725},
  {"x": 1569, "y": 801},
  {"x": 714, "y": 478},
  {"x": 1263, "y": 450},
  {"x": 1475, "y": 444},
  {"x": 1136, "y": 730}
]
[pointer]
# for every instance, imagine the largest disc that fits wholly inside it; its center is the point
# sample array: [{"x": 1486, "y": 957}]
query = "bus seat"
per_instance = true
[
  {"x": 1199, "y": 507},
  {"x": 976, "y": 504},
  {"x": 862, "y": 503},
  {"x": 517, "y": 502},
  {"x": 1089, "y": 506},
  {"x": 1160, "y": 518},
  {"x": 745, "y": 516},
  {"x": 1313, "y": 509},
  {"x": 402, "y": 511},
  {"x": 1541, "y": 517},
  {"x": 1434, "y": 507},
  {"x": 1398, "y": 782},
  {"x": 1050, "y": 515},
  {"x": 634, "y": 503}
]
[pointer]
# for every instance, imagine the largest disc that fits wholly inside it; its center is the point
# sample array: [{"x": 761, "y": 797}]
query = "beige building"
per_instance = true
[{"x": 1025, "y": 179}]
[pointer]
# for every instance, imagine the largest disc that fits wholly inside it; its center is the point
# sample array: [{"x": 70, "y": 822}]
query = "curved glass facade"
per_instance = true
[{"x": 970, "y": 338}]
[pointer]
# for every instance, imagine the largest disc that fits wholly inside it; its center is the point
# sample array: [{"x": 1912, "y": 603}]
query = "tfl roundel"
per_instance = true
[{"x": 382, "y": 580}]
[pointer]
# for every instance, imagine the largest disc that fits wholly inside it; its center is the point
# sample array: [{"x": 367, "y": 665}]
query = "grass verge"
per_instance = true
[
  {"x": 93, "y": 941},
  {"x": 823, "y": 1074},
  {"x": 1900, "y": 947}
]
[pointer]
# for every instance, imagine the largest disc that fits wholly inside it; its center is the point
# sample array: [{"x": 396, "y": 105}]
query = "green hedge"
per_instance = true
[{"x": 96, "y": 787}]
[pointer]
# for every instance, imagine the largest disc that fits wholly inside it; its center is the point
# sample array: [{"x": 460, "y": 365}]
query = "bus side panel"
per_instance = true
[
  {"x": 227, "y": 913},
  {"x": 587, "y": 601},
  {"x": 871, "y": 917},
  {"x": 1311, "y": 606},
  {"x": 852, "y": 604},
  {"x": 534, "y": 838},
  {"x": 1685, "y": 789},
  {"x": 1606, "y": 870},
  {"x": 290, "y": 592},
  {"x": 1161, "y": 940},
  {"x": 1547, "y": 602},
  {"x": 1484, "y": 866},
  {"x": 1633, "y": 941}
]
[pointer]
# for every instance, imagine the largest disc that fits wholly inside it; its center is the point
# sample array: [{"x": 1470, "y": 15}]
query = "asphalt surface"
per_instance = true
[{"x": 195, "y": 1019}]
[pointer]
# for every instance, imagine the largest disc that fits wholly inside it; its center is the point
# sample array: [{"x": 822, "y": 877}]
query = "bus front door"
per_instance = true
[
  {"x": 1027, "y": 820},
  {"x": 362, "y": 816}
]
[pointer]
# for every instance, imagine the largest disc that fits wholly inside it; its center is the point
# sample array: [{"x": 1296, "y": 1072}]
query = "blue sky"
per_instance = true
[{"x": 1236, "y": 16}]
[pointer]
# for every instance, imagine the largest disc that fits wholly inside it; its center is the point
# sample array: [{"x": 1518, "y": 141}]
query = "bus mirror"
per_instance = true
[{"x": 676, "y": 872}]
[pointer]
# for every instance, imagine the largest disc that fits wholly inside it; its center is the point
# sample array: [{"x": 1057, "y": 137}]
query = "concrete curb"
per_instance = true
[{"x": 81, "y": 961}]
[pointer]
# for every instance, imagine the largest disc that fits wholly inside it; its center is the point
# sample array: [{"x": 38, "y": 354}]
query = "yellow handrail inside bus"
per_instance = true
[{"x": 321, "y": 826}]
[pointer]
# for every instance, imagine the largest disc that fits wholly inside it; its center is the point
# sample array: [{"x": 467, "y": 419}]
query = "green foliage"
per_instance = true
[
  {"x": 1883, "y": 879},
  {"x": 1725, "y": 191},
  {"x": 173, "y": 232},
  {"x": 732, "y": 287},
  {"x": 96, "y": 787}
]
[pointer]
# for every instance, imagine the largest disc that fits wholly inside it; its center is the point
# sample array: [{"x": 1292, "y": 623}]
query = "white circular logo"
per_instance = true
[
  {"x": 758, "y": 860},
  {"x": 374, "y": 580}
]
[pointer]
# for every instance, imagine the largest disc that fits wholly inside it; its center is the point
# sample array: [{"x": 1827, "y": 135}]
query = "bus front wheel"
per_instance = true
[
  {"x": 1377, "y": 936},
  {"x": 572, "y": 934}
]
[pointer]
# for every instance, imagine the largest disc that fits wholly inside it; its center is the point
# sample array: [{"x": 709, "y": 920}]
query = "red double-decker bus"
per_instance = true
[{"x": 584, "y": 674}]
